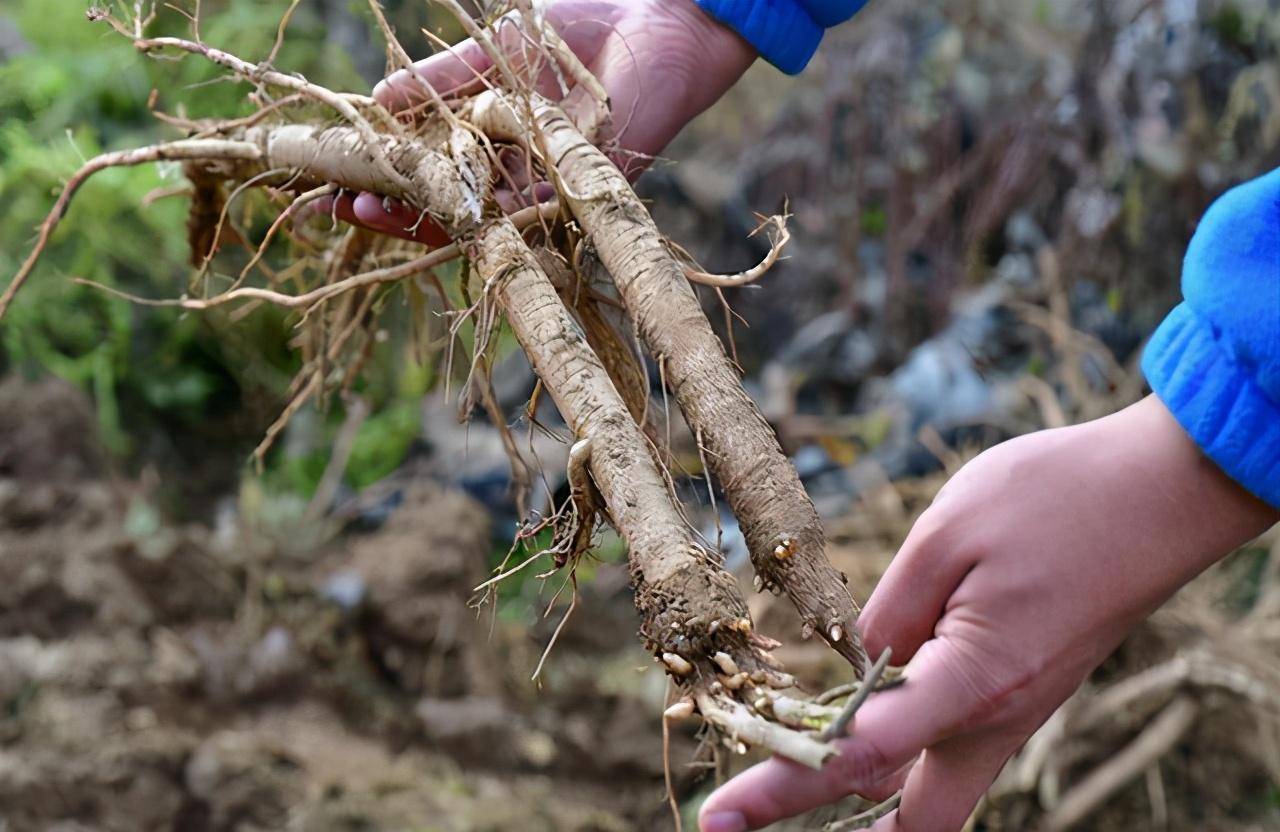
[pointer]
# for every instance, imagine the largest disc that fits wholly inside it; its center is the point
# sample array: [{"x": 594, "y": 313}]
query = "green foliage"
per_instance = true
[
  {"x": 383, "y": 441},
  {"x": 79, "y": 89},
  {"x": 523, "y": 597},
  {"x": 875, "y": 221}
]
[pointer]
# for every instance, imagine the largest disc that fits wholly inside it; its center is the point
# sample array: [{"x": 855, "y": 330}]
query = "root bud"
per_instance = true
[
  {"x": 726, "y": 663},
  {"x": 677, "y": 664},
  {"x": 781, "y": 681}
]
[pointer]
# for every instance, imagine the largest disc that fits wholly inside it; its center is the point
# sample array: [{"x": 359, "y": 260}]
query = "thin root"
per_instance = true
[
  {"x": 778, "y": 241},
  {"x": 183, "y": 150}
]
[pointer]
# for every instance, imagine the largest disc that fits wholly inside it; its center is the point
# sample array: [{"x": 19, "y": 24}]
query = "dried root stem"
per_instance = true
[
  {"x": 781, "y": 526},
  {"x": 777, "y": 242},
  {"x": 694, "y": 618}
]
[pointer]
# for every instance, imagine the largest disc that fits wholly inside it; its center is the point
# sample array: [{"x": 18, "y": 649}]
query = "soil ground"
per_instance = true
[
  {"x": 204, "y": 678},
  {"x": 163, "y": 678}
]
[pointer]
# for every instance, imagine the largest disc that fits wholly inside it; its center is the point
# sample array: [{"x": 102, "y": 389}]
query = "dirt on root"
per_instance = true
[{"x": 155, "y": 677}]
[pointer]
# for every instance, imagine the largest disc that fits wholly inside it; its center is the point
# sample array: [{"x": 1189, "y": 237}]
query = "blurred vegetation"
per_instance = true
[{"x": 168, "y": 387}]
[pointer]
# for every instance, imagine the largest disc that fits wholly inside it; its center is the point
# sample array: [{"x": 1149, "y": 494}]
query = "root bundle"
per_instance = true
[{"x": 536, "y": 272}]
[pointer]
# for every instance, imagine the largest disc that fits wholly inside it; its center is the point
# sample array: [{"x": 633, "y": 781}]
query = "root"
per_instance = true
[
  {"x": 555, "y": 636},
  {"x": 840, "y": 725},
  {"x": 619, "y": 358},
  {"x": 342, "y": 104},
  {"x": 779, "y": 522},
  {"x": 675, "y": 579},
  {"x": 581, "y": 490},
  {"x": 693, "y": 615},
  {"x": 867, "y": 819},
  {"x": 309, "y": 300},
  {"x": 740, "y": 725},
  {"x": 1153, "y": 743},
  {"x": 777, "y": 242},
  {"x": 299, "y": 203},
  {"x": 694, "y": 620},
  {"x": 183, "y": 150}
]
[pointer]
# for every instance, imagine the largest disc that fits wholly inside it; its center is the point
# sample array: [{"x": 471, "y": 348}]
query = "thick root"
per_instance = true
[
  {"x": 780, "y": 524},
  {"x": 618, "y": 356},
  {"x": 681, "y": 587},
  {"x": 694, "y": 618}
]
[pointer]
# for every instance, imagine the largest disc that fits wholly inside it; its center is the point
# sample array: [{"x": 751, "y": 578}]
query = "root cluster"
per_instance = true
[{"x": 558, "y": 273}]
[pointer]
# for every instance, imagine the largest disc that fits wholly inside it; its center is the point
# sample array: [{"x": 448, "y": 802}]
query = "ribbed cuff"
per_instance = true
[
  {"x": 782, "y": 31},
  {"x": 828, "y": 13},
  {"x": 1217, "y": 401}
]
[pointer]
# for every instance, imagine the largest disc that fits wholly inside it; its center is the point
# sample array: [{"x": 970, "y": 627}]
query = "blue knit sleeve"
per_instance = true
[
  {"x": 785, "y": 32},
  {"x": 1215, "y": 361},
  {"x": 828, "y": 13}
]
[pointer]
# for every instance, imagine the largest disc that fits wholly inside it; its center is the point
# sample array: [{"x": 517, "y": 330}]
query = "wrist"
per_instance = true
[
  {"x": 670, "y": 62},
  {"x": 1193, "y": 512}
]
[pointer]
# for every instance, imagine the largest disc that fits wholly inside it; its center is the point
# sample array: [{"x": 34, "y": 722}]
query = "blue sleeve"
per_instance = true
[
  {"x": 785, "y": 32},
  {"x": 1215, "y": 361}
]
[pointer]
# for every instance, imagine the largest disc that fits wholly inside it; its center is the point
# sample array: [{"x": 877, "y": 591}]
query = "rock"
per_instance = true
[
  {"x": 48, "y": 432},
  {"x": 468, "y": 728},
  {"x": 346, "y": 588},
  {"x": 244, "y": 782},
  {"x": 418, "y": 574}
]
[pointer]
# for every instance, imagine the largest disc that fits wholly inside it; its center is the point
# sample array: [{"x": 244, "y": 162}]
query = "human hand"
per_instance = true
[
  {"x": 662, "y": 62},
  {"x": 1031, "y": 566}
]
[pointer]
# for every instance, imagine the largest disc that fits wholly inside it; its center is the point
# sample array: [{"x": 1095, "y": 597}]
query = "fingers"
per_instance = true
[
  {"x": 912, "y": 596},
  {"x": 582, "y": 24},
  {"x": 891, "y": 729},
  {"x": 386, "y": 216},
  {"x": 779, "y": 788},
  {"x": 454, "y": 72},
  {"x": 945, "y": 786}
]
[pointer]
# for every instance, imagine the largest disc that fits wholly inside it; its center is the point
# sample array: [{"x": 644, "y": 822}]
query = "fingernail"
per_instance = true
[
  {"x": 369, "y": 210},
  {"x": 724, "y": 822}
]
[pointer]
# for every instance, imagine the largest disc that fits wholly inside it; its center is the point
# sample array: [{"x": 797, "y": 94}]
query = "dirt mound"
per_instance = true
[
  {"x": 162, "y": 678},
  {"x": 47, "y": 432}
]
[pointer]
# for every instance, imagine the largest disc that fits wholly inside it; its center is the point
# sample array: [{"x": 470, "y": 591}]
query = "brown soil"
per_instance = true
[
  {"x": 162, "y": 678},
  {"x": 155, "y": 677}
]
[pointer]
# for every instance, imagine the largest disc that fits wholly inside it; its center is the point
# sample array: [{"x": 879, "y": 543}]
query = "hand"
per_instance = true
[
  {"x": 1031, "y": 566},
  {"x": 661, "y": 61}
]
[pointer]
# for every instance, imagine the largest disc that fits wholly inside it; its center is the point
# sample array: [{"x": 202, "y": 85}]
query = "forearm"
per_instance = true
[
  {"x": 1215, "y": 361},
  {"x": 1171, "y": 510}
]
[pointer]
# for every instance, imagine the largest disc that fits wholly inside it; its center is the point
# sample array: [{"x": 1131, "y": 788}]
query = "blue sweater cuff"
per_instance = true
[
  {"x": 1218, "y": 402},
  {"x": 785, "y": 32},
  {"x": 828, "y": 13}
]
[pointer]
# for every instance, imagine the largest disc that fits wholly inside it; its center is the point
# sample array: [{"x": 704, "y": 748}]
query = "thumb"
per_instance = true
[
  {"x": 942, "y": 693},
  {"x": 451, "y": 72},
  {"x": 945, "y": 786}
]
